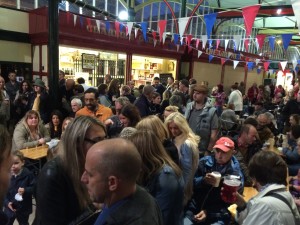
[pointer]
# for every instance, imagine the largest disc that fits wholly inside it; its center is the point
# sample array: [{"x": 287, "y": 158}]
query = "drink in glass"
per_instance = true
[
  {"x": 230, "y": 186},
  {"x": 217, "y": 175}
]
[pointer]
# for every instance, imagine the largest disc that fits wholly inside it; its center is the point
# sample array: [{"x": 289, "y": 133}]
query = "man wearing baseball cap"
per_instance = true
[{"x": 206, "y": 204}]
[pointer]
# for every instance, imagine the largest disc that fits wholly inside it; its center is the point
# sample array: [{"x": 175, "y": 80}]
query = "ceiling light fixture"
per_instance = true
[
  {"x": 279, "y": 11},
  {"x": 123, "y": 15}
]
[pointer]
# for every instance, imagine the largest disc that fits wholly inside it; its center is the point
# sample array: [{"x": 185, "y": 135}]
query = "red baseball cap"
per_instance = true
[{"x": 225, "y": 144}]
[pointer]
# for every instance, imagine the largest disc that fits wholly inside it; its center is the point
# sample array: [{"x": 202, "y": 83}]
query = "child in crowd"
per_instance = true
[{"x": 18, "y": 201}]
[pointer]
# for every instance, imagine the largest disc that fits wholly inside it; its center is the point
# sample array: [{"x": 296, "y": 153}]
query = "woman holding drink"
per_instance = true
[{"x": 273, "y": 204}]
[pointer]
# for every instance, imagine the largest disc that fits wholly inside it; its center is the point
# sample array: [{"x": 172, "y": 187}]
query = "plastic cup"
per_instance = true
[
  {"x": 217, "y": 175},
  {"x": 230, "y": 186}
]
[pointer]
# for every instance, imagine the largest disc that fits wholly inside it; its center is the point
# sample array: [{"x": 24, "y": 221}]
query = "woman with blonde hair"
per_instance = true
[
  {"x": 160, "y": 176},
  {"x": 30, "y": 132},
  {"x": 153, "y": 123},
  {"x": 187, "y": 145}
]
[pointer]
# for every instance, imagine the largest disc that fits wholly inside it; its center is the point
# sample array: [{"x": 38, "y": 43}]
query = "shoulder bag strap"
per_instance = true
[{"x": 280, "y": 197}]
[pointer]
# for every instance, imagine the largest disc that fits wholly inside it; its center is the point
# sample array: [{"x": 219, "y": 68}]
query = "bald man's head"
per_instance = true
[{"x": 117, "y": 157}]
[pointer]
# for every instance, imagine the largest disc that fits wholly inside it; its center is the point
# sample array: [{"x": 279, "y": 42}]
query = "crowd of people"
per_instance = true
[{"x": 148, "y": 154}]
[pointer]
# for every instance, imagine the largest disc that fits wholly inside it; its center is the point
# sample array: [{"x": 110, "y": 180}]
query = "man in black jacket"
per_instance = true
[{"x": 111, "y": 170}]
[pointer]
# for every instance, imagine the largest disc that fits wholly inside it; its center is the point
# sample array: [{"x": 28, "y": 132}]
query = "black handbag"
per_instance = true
[{"x": 88, "y": 217}]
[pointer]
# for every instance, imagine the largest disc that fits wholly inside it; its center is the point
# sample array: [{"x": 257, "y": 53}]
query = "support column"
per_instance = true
[
  {"x": 222, "y": 74},
  {"x": 183, "y": 8},
  {"x": 53, "y": 52},
  {"x": 128, "y": 67}
]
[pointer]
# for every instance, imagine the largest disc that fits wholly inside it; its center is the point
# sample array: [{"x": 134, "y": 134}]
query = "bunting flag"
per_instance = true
[
  {"x": 294, "y": 62},
  {"x": 260, "y": 38},
  {"x": 237, "y": 40},
  {"x": 209, "y": 22},
  {"x": 98, "y": 25},
  {"x": 197, "y": 43},
  {"x": 81, "y": 21},
  {"x": 75, "y": 19},
  {"x": 136, "y": 30},
  {"x": 218, "y": 43},
  {"x": 226, "y": 44},
  {"x": 266, "y": 65},
  {"x": 258, "y": 70},
  {"x": 176, "y": 38},
  {"x": 286, "y": 38},
  {"x": 154, "y": 35},
  {"x": 117, "y": 27},
  {"x": 107, "y": 26},
  {"x": 164, "y": 37},
  {"x": 199, "y": 53},
  {"x": 210, "y": 57},
  {"x": 257, "y": 61},
  {"x": 272, "y": 43},
  {"x": 283, "y": 65},
  {"x": 204, "y": 40},
  {"x": 188, "y": 39},
  {"x": 298, "y": 61},
  {"x": 296, "y": 9},
  {"x": 122, "y": 26},
  {"x": 210, "y": 43},
  {"x": 223, "y": 60},
  {"x": 144, "y": 30},
  {"x": 181, "y": 40},
  {"x": 161, "y": 28},
  {"x": 182, "y": 22},
  {"x": 249, "y": 14},
  {"x": 250, "y": 65},
  {"x": 235, "y": 63},
  {"x": 129, "y": 25}
]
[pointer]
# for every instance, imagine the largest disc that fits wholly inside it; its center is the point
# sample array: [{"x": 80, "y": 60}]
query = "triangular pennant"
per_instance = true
[
  {"x": 75, "y": 19},
  {"x": 107, "y": 26},
  {"x": 199, "y": 53},
  {"x": 197, "y": 43},
  {"x": 154, "y": 35},
  {"x": 129, "y": 25},
  {"x": 257, "y": 61},
  {"x": 296, "y": 9},
  {"x": 188, "y": 39},
  {"x": 226, "y": 44},
  {"x": 210, "y": 43},
  {"x": 164, "y": 37},
  {"x": 223, "y": 60},
  {"x": 249, "y": 14},
  {"x": 209, "y": 22},
  {"x": 298, "y": 61},
  {"x": 235, "y": 63},
  {"x": 294, "y": 62},
  {"x": 283, "y": 65},
  {"x": 117, "y": 27},
  {"x": 286, "y": 38},
  {"x": 237, "y": 40},
  {"x": 260, "y": 38},
  {"x": 144, "y": 29},
  {"x": 272, "y": 43},
  {"x": 81, "y": 21},
  {"x": 217, "y": 43},
  {"x": 181, "y": 40},
  {"x": 266, "y": 65},
  {"x": 176, "y": 38},
  {"x": 271, "y": 71},
  {"x": 258, "y": 70},
  {"x": 98, "y": 25},
  {"x": 136, "y": 32},
  {"x": 161, "y": 28},
  {"x": 250, "y": 65},
  {"x": 182, "y": 22},
  {"x": 204, "y": 40},
  {"x": 210, "y": 57}
]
